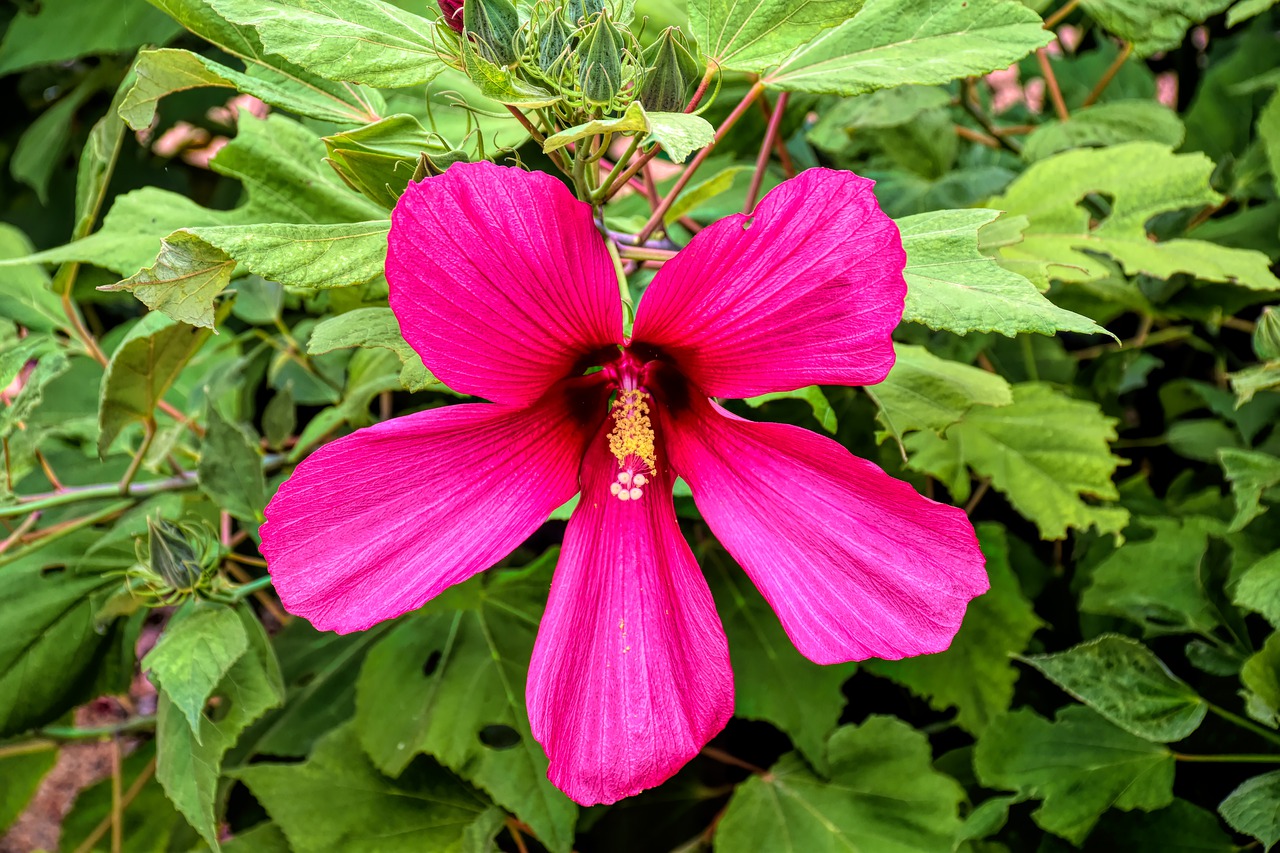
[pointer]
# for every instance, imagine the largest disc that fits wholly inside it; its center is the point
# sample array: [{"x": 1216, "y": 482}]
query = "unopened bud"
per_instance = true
[
  {"x": 671, "y": 72},
  {"x": 553, "y": 44},
  {"x": 451, "y": 14},
  {"x": 600, "y": 66},
  {"x": 173, "y": 554},
  {"x": 493, "y": 24},
  {"x": 1266, "y": 335},
  {"x": 581, "y": 11}
]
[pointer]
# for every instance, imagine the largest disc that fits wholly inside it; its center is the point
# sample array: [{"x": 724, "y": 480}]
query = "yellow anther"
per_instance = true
[{"x": 632, "y": 435}]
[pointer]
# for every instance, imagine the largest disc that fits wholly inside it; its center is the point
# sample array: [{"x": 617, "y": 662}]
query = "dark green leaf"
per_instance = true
[
  {"x": 230, "y": 468},
  {"x": 198, "y": 646},
  {"x": 1254, "y": 808}
]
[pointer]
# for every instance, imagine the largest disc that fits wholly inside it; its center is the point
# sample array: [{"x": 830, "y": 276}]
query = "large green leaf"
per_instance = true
[
  {"x": 773, "y": 681},
  {"x": 1125, "y": 682},
  {"x": 1152, "y": 25},
  {"x": 1106, "y": 124},
  {"x": 59, "y": 30},
  {"x": 1156, "y": 583},
  {"x": 1045, "y": 452},
  {"x": 50, "y": 648},
  {"x": 189, "y": 763},
  {"x": 1144, "y": 179},
  {"x": 141, "y": 370},
  {"x": 1080, "y": 765},
  {"x": 198, "y": 646},
  {"x": 449, "y": 681},
  {"x": 25, "y": 297},
  {"x": 184, "y": 280},
  {"x": 271, "y": 74},
  {"x": 975, "y": 675},
  {"x": 1254, "y": 477},
  {"x": 881, "y": 794},
  {"x": 1260, "y": 676},
  {"x": 754, "y": 35},
  {"x": 165, "y": 71},
  {"x": 371, "y": 327},
  {"x": 360, "y": 41},
  {"x": 22, "y": 773},
  {"x": 1254, "y": 808},
  {"x": 1259, "y": 588},
  {"x": 337, "y": 800},
  {"x": 895, "y": 42},
  {"x": 951, "y": 285},
  {"x": 925, "y": 392},
  {"x": 230, "y": 468}
]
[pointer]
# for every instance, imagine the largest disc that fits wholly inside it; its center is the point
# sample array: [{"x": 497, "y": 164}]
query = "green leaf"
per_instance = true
[
  {"x": 1156, "y": 583},
  {"x": 1246, "y": 9},
  {"x": 184, "y": 280},
  {"x": 25, "y": 297},
  {"x": 1254, "y": 808},
  {"x": 378, "y": 160},
  {"x": 189, "y": 763},
  {"x": 632, "y": 121},
  {"x": 318, "y": 256},
  {"x": 359, "y": 41},
  {"x": 1106, "y": 124},
  {"x": 140, "y": 372},
  {"x": 892, "y": 43},
  {"x": 424, "y": 810},
  {"x": 1252, "y": 380},
  {"x": 754, "y": 35},
  {"x": 925, "y": 392},
  {"x": 193, "y": 655},
  {"x": 680, "y": 134},
  {"x": 1179, "y": 827},
  {"x": 811, "y": 394},
  {"x": 1259, "y": 588},
  {"x": 1144, "y": 179},
  {"x": 59, "y": 30},
  {"x": 43, "y": 145},
  {"x": 446, "y": 674},
  {"x": 880, "y": 110},
  {"x": 320, "y": 671},
  {"x": 371, "y": 327},
  {"x": 975, "y": 675},
  {"x": 1151, "y": 25},
  {"x": 1045, "y": 452},
  {"x": 50, "y": 649},
  {"x": 230, "y": 468},
  {"x": 1080, "y": 765},
  {"x": 1125, "y": 682},
  {"x": 772, "y": 681},
  {"x": 22, "y": 773},
  {"x": 951, "y": 285},
  {"x": 882, "y": 794},
  {"x": 1260, "y": 676},
  {"x": 272, "y": 74},
  {"x": 1252, "y": 475},
  {"x": 704, "y": 191},
  {"x": 165, "y": 71}
]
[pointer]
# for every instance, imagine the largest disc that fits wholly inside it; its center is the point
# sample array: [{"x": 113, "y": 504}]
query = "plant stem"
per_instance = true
[
  {"x": 628, "y": 308},
  {"x": 779, "y": 144},
  {"x": 27, "y": 747},
  {"x": 1109, "y": 74},
  {"x": 1051, "y": 81},
  {"x": 1056, "y": 18},
  {"x": 148, "y": 434},
  {"x": 537, "y": 137},
  {"x": 132, "y": 724},
  {"x": 1237, "y": 720},
  {"x": 1229, "y": 759},
  {"x": 766, "y": 148},
  {"x": 117, "y": 799},
  {"x": 640, "y": 253},
  {"x": 18, "y": 532},
  {"x": 129, "y": 796},
  {"x": 656, "y": 219},
  {"x": 969, "y": 101},
  {"x": 606, "y": 187}
]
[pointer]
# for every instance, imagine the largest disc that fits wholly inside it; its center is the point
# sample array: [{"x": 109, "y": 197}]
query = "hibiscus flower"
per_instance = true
[{"x": 502, "y": 283}]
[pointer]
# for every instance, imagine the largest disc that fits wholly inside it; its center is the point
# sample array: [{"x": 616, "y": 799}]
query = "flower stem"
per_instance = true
[
  {"x": 1056, "y": 18},
  {"x": 1109, "y": 75},
  {"x": 1237, "y": 720},
  {"x": 766, "y": 148},
  {"x": 1229, "y": 759},
  {"x": 1051, "y": 81},
  {"x": 628, "y": 308}
]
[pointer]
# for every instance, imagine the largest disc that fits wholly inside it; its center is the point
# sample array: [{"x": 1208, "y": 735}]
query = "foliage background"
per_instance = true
[{"x": 1118, "y": 687}]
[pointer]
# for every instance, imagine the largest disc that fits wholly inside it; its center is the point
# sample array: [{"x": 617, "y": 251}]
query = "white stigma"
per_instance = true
[{"x": 629, "y": 486}]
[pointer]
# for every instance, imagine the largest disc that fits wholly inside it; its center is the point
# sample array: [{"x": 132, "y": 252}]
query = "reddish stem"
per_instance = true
[
  {"x": 762, "y": 161},
  {"x": 1055, "y": 93}
]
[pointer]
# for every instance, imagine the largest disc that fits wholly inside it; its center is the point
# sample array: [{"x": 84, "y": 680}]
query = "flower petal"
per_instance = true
[
  {"x": 630, "y": 675},
  {"x": 500, "y": 280},
  {"x": 855, "y": 563},
  {"x": 376, "y": 523},
  {"x": 805, "y": 291}
]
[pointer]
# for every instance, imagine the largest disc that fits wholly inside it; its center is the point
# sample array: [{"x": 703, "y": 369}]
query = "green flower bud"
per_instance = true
[
  {"x": 600, "y": 61},
  {"x": 378, "y": 159},
  {"x": 671, "y": 73},
  {"x": 1266, "y": 335},
  {"x": 178, "y": 554},
  {"x": 493, "y": 25},
  {"x": 553, "y": 44},
  {"x": 583, "y": 10}
]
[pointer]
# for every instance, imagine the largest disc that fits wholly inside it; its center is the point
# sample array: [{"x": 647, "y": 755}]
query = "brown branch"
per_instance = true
[
  {"x": 1051, "y": 81},
  {"x": 1109, "y": 74}
]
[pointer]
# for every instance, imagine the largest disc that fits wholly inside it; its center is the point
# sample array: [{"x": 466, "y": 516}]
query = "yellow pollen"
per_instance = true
[{"x": 632, "y": 430}]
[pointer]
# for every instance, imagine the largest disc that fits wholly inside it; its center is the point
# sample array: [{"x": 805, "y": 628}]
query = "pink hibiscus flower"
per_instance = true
[{"x": 502, "y": 283}]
